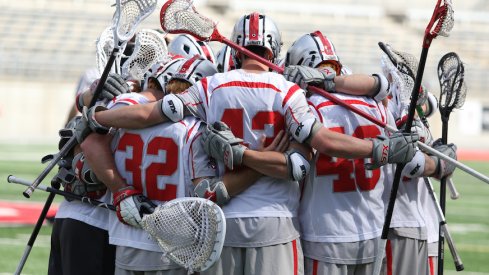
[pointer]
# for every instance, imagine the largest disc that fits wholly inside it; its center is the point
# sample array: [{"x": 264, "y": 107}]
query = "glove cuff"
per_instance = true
[
  {"x": 124, "y": 193},
  {"x": 93, "y": 123}
]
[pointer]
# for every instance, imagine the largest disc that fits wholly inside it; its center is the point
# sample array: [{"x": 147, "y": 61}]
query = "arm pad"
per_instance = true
[
  {"x": 305, "y": 130},
  {"x": 172, "y": 108},
  {"x": 382, "y": 87},
  {"x": 297, "y": 165}
]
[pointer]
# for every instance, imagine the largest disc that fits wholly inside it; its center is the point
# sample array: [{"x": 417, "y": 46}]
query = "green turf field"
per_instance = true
[{"x": 468, "y": 217}]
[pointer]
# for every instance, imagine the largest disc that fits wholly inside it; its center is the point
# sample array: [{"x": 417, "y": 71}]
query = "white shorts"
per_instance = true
[{"x": 283, "y": 259}]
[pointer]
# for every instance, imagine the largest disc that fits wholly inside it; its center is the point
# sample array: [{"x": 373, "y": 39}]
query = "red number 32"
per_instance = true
[{"x": 155, "y": 169}]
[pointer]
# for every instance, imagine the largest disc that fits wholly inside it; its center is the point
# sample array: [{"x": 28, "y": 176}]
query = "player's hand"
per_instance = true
[
  {"x": 221, "y": 144},
  {"x": 304, "y": 76},
  {"x": 88, "y": 124},
  {"x": 114, "y": 85},
  {"x": 398, "y": 148},
  {"x": 443, "y": 167},
  {"x": 424, "y": 133},
  {"x": 131, "y": 204},
  {"x": 279, "y": 144}
]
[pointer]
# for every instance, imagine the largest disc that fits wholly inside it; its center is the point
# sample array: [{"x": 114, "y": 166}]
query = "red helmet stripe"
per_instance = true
[
  {"x": 254, "y": 27},
  {"x": 207, "y": 53},
  {"x": 187, "y": 64},
  {"x": 328, "y": 48}
]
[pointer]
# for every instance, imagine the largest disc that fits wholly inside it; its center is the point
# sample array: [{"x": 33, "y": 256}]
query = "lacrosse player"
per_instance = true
[
  {"x": 341, "y": 210},
  {"x": 84, "y": 83},
  {"x": 187, "y": 46},
  {"x": 407, "y": 248},
  {"x": 150, "y": 169}
]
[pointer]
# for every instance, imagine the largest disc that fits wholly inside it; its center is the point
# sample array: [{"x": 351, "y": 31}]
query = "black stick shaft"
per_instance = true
[
  {"x": 104, "y": 76},
  {"x": 409, "y": 123},
  {"x": 37, "y": 228},
  {"x": 443, "y": 199}
]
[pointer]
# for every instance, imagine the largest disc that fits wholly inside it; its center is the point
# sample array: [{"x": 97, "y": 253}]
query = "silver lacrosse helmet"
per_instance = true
[
  {"x": 164, "y": 73},
  {"x": 188, "y": 46},
  {"x": 194, "y": 69},
  {"x": 225, "y": 59},
  {"x": 311, "y": 50},
  {"x": 257, "y": 29}
]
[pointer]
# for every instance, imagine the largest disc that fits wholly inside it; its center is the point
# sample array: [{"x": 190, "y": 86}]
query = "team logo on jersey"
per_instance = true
[{"x": 172, "y": 106}]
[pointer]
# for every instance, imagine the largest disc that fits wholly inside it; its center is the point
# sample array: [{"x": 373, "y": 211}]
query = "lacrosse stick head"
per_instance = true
[
  {"x": 441, "y": 22},
  {"x": 452, "y": 85},
  {"x": 190, "y": 231},
  {"x": 128, "y": 15},
  {"x": 150, "y": 48},
  {"x": 399, "y": 67},
  {"x": 105, "y": 45},
  {"x": 180, "y": 16}
]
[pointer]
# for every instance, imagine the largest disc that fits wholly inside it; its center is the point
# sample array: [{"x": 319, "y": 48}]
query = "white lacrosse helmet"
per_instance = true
[
  {"x": 311, "y": 50},
  {"x": 187, "y": 46},
  {"x": 166, "y": 72},
  {"x": 256, "y": 29},
  {"x": 194, "y": 69},
  {"x": 225, "y": 59}
]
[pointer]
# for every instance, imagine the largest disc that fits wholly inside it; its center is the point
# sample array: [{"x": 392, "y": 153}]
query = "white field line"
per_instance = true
[{"x": 21, "y": 240}]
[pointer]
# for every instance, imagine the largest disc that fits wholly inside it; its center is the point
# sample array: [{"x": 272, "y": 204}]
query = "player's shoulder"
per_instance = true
[{"x": 128, "y": 99}]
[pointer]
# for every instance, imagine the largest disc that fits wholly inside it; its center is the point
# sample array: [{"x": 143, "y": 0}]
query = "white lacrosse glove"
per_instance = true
[
  {"x": 221, "y": 144},
  {"x": 398, "y": 148},
  {"x": 304, "y": 76},
  {"x": 131, "y": 204},
  {"x": 212, "y": 189},
  {"x": 443, "y": 167},
  {"x": 419, "y": 128}
]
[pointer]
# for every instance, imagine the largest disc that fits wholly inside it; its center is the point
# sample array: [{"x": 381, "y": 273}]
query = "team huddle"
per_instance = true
[{"x": 303, "y": 182}]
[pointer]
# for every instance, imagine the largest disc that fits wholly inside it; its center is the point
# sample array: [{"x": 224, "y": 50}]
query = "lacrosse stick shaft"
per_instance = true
[
  {"x": 13, "y": 179},
  {"x": 443, "y": 198},
  {"x": 66, "y": 148},
  {"x": 105, "y": 74},
  {"x": 444, "y": 227},
  {"x": 37, "y": 227}
]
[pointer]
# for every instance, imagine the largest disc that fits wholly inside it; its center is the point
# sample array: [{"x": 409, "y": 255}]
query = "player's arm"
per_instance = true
[{"x": 375, "y": 86}]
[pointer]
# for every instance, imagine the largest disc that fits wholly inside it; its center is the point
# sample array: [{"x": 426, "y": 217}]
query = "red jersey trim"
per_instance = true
[
  {"x": 127, "y": 101},
  {"x": 251, "y": 85},
  {"x": 349, "y": 101},
  {"x": 290, "y": 93},
  {"x": 203, "y": 81}
]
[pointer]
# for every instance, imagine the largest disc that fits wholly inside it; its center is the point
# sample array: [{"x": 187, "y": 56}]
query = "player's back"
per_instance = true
[
  {"x": 254, "y": 104},
  {"x": 341, "y": 200}
]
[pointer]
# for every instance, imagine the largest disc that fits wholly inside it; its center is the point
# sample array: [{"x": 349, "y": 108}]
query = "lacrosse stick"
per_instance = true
[
  {"x": 452, "y": 95},
  {"x": 189, "y": 231},
  {"x": 444, "y": 227},
  {"x": 127, "y": 16},
  {"x": 400, "y": 66},
  {"x": 150, "y": 47},
  {"x": 443, "y": 17}
]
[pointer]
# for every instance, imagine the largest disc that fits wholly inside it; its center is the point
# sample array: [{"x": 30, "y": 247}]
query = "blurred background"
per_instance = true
[{"x": 46, "y": 45}]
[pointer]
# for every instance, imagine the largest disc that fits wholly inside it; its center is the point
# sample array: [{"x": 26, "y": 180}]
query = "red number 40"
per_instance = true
[{"x": 350, "y": 173}]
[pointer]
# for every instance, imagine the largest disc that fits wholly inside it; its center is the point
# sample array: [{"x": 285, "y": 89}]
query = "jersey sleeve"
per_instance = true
[
  {"x": 192, "y": 100},
  {"x": 297, "y": 111},
  {"x": 199, "y": 164}
]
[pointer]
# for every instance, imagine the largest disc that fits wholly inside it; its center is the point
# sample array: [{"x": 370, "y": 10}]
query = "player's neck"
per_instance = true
[{"x": 253, "y": 66}]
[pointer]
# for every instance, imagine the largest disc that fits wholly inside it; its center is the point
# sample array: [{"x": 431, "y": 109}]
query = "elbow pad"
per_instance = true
[
  {"x": 305, "y": 130},
  {"x": 172, "y": 107},
  {"x": 381, "y": 87},
  {"x": 297, "y": 165}
]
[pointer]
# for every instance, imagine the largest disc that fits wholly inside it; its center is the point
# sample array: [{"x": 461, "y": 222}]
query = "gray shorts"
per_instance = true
[
  {"x": 283, "y": 259},
  {"x": 406, "y": 256},
  {"x": 315, "y": 267},
  {"x": 120, "y": 271}
]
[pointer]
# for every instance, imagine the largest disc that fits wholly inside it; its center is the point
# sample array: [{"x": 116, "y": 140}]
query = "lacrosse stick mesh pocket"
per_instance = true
[{"x": 181, "y": 16}]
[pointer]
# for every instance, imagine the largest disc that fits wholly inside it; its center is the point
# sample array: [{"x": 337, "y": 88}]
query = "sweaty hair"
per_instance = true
[
  {"x": 258, "y": 50},
  {"x": 176, "y": 86}
]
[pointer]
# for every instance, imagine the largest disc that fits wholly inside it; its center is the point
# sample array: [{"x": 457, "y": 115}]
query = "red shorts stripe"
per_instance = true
[
  {"x": 388, "y": 255},
  {"x": 431, "y": 265},
  {"x": 314, "y": 267},
  {"x": 296, "y": 257}
]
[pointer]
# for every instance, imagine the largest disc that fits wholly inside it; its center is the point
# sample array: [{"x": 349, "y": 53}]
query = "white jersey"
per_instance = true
[
  {"x": 341, "y": 200},
  {"x": 152, "y": 160},
  {"x": 252, "y": 105},
  {"x": 408, "y": 210},
  {"x": 432, "y": 221}
]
